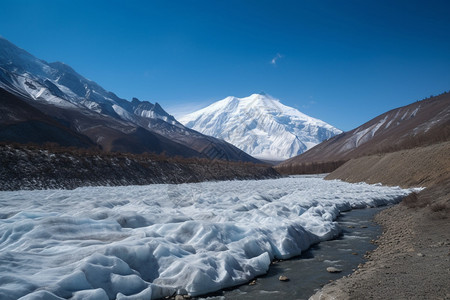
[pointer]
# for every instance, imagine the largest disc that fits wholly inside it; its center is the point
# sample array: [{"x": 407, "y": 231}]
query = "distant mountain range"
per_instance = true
[
  {"x": 261, "y": 126},
  {"x": 418, "y": 124},
  {"x": 50, "y": 102}
]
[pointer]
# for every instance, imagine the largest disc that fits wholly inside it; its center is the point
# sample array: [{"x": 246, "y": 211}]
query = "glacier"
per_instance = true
[
  {"x": 261, "y": 126},
  {"x": 153, "y": 241}
]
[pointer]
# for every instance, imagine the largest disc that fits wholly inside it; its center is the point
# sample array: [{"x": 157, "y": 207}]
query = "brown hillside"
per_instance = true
[
  {"x": 418, "y": 167},
  {"x": 419, "y": 124}
]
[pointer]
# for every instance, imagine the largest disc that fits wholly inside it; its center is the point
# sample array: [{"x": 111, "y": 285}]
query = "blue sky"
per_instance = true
[{"x": 344, "y": 62}]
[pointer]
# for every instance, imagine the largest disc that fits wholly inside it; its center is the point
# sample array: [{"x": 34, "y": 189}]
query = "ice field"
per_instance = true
[{"x": 147, "y": 242}]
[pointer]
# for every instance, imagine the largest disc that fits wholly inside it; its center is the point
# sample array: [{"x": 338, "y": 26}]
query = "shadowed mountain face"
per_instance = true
[
  {"x": 50, "y": 102},
  {"x": 418, "y": 124},
  {"x": 22, "y": 123}
]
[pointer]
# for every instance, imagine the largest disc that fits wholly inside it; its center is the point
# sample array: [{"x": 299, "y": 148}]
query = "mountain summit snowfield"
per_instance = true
[{"x": 261, "y": 126}]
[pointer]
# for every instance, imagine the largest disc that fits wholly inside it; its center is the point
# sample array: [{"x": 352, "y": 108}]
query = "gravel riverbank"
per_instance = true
[{"x": 412, "y": 260}]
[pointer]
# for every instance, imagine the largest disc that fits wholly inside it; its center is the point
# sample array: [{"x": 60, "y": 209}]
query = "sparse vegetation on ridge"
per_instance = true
[
  {"x": 310, "y": 168},
  {"x": 51, "y": 166}
]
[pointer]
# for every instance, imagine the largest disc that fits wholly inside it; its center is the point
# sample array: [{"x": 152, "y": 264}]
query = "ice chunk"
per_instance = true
[{"x": 95, "y": 294}]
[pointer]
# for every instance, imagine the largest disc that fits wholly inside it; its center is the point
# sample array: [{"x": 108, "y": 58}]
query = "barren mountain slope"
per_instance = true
[{"x": 421, "y": 123}]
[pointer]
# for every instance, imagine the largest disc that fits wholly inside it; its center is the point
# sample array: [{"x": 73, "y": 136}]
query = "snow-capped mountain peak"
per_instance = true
[{"x": 261, "y": 126}]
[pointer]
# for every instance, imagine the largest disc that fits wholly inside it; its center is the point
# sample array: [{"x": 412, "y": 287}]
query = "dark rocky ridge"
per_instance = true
[{"x": 31, "y": 167}]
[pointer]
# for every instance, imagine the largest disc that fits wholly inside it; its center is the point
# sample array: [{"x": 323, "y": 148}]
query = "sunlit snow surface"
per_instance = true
[{"x": 150, "y": 241}]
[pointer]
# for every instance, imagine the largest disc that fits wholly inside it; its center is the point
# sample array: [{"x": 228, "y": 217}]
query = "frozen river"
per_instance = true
[{"x": 152, "y": 241}]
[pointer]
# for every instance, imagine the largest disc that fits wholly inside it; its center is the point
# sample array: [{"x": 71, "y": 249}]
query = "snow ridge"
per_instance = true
[{"x": 261, "y": 126}]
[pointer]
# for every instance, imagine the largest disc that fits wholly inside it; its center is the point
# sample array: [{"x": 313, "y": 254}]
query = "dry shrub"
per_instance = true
[
  {"x": 438, "y": 207},
  {"x": 439, "y": 210},
  {"x": 309, "y": 168},
  {"x": 413, "y": 200}
]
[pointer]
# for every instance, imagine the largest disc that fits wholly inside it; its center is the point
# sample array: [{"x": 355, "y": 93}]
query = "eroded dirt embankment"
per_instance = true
[
  {"x": 408, "y": 168},
  {"x": 412, "y": 260}
]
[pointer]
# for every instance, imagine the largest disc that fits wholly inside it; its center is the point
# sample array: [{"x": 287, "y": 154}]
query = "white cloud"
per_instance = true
[
  {"x": 274, "y": 60},
  {"x": 182, "y": 109},
  {"x": 309, "y": 104}
]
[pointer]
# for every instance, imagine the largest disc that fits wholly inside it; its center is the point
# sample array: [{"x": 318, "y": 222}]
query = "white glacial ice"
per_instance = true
[{"x": 151, "y": 241}]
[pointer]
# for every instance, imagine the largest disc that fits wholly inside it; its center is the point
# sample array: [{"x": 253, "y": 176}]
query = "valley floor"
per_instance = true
[{"x": 412, "y": 260}]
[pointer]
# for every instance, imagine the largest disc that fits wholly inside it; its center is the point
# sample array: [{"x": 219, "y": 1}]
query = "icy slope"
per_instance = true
[
  {"x": 261, "y": 126},
  {"x": 147, "y": 242}
]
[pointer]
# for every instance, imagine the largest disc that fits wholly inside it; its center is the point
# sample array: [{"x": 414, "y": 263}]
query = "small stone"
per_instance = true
[
  {"x": 182, "y": 292},
  {"x": 253, "y": 282},
  {"x": 350, "y": 226},
  {"x": 179, "y": 297},
  {"x": 333, "y": 270},
  {"x": 283, "y": 278},
  {"x": 364, "y": 226},
  {"x": 354, "y": 253},
  {"x": 420, "y": 254}
]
